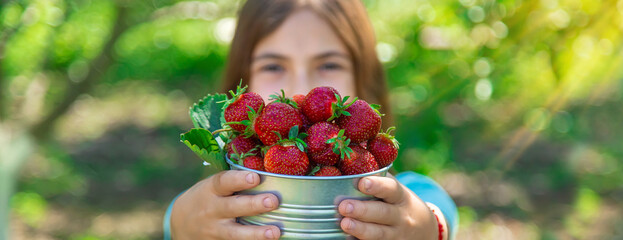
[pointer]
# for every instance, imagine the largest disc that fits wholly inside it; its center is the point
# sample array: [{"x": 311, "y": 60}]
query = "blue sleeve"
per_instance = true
[
  {"x": 430, "y": 191},
  {"x": 166, "y": 223}
]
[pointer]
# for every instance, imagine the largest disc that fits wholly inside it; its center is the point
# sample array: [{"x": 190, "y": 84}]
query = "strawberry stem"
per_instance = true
[
  {"x": 221, "y": 130},
  {"x": 339, "y": 107},
  {"x": 314, "y": 171},
  {"x": 376, "y": 108},
  {"x": 283, "y": 99},
  {"x": 234, "y": 95},
  {"x": 340, "y": 145},
  {"x": 239, "y": 157},
  {"x": 387, "y": 134},
  {"x": 294, "y": 138}
]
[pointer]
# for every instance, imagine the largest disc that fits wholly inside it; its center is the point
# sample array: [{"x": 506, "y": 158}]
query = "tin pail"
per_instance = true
[{"x": 307, "y": 204}]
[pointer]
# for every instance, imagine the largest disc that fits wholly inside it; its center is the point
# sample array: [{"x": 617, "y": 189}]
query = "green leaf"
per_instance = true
[
  {"x": 208, "y": 112},
  {"x": 345, "y": 98},
  {"x": 278, "y": 135},
  {"x": 300, "y": 146},
  {"x": 294, "y": 132},
  {"x": 314, "y": 171},
  {"x": 202, "y": 143},
  {"x": 303, "y": 135},
  {"x": 303, "y": 143}
]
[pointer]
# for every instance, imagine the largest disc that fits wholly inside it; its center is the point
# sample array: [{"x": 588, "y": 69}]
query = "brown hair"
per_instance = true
[{"x": 349, "y": 20}]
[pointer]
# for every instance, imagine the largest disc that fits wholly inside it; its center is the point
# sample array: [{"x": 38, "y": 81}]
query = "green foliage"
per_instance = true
[
  {"x": 514, "y": 97},
  {"x": 29, "y": 206},
  {"x": 202, "y": 143},
  {"x": 208, "y": 112}
]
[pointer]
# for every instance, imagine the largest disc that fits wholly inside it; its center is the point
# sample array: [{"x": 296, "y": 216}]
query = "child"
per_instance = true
[{"x": 297, "y": 45}]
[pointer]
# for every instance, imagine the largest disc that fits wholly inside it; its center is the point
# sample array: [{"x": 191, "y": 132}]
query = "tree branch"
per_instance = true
[{"x": 98, "y": 68}]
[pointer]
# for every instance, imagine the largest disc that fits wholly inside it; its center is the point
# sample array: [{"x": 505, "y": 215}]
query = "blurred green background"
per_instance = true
[{"x": 513, "y": 106}]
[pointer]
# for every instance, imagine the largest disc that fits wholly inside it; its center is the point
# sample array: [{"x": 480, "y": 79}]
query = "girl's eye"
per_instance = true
[
  {"x": 272, "y": 68},
  {"x": 330, "y": 66}
]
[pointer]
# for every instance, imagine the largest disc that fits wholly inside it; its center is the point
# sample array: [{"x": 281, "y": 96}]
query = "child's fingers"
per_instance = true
[
  {"x": 247, "y": 205},
  {"x": 363, "y": 230},
  {"x": 370, "y": 211},
  {"x": 385, "y": 188},
  {"x": 237, "y": 231},
  {"x": 227, "y": 183}
]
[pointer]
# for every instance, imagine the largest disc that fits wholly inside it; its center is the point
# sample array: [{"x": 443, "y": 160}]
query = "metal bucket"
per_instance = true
[{"x": 307, "y": 204}]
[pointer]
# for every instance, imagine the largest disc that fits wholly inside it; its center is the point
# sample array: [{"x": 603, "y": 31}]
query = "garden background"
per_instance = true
[{"x": 513, "y": 106}]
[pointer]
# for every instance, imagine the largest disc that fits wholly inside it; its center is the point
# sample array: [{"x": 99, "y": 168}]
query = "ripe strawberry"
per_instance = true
[
  {"x": 306, "y": 122},
  {"x": 248, "y": 159},
  {"x": 326, "y": 144},
  {"x": 363, "y": 123},
  {"x": 243, "y": 145},
  {"x": 276, "y": 117},
  {"x": 237, "y": 108},
  {"x": 360, "y": 161},
  {"x": 318, "y": 103},
  {"x": 327, "y": 171},
  {"x": 384, "y": 148},
  {"x": 288, "y": 160},
  {"x": 254, "y": 162},
  {"x": 324, "y": 104},
  {"x": 299, "y": 99}
]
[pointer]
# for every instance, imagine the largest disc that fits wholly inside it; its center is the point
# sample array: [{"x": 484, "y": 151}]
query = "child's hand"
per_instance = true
[
  {"x": 208, "y": 210},
  {"x": 401, "y": 214}
]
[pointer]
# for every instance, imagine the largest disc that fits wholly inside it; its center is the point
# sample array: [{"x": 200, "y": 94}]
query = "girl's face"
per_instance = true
[{"x": 301, "y": 54}]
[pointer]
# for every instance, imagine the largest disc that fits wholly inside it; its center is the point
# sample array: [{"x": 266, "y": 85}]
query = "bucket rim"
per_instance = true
[{"x": 240, "y": 167}]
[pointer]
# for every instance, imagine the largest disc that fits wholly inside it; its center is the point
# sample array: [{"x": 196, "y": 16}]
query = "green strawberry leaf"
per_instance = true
[
  {"x": 300, "y": 146},
  {"x": 283, "y": 99},
  {"x": 303, "y": 135},
  {"x": 376, "y": 108},
  {"x": 278, "y": 135},
  {"x": 208, "y": 112},
  {"x": 202, "y": 143},
  {"x": 294, "y": 132},
  {"x": 314, "y": 171}
]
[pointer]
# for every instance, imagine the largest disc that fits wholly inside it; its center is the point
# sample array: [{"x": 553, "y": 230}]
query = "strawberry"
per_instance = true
[
  {"x": 360, "y": 161},
  {"x": 289, "y": 160},
  {"x": 288, "y": 156},
  {"x": 323, "y": 104},
  {"x": 327, "y": 171},
  {"x": 248, "y": 159},
  {"x": 276, "y": 118},
  {"x": 317, "y": 104},
  {"x": 326, "y": 143},
  {"x": 306, "y": 122},
  {"x": 243, "y": 145},
  {"x": 384, "y": 148},
  {"x": 286, "y": 160},
  {"x": 254, "y": 162},
  {"x": 299, "y": 99},
  {"x": 363, "y": 123},
  {"x": 237, "y": 108}
]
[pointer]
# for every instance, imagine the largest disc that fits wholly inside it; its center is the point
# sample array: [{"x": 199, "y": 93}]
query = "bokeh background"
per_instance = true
[{"x": 513, "y": 106}]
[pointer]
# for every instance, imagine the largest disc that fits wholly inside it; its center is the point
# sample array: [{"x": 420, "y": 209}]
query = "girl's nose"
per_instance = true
[{"x": 300, "y": 83}]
